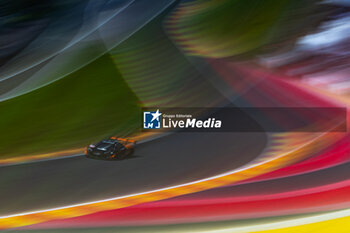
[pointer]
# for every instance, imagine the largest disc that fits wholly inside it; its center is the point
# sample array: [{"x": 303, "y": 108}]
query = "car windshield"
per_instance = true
[
  {"x": 104, "y": 144},
  {"x": 108, "y": 141}
]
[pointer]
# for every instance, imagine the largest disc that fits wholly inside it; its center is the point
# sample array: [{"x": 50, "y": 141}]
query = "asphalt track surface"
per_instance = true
[{"x": 171, "y": 160}]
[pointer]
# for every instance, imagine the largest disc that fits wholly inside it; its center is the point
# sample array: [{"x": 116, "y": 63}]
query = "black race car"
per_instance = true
[{"x": 112, "y": 148}]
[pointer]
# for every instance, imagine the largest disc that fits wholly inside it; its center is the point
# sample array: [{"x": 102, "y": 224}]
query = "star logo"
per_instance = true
[
  {"x": 151, "y": 120},
  {"x": 156, "y": 115}
]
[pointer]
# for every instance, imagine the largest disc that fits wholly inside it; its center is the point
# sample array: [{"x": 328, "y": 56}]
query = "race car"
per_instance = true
[{"x": 111, "y": 148}]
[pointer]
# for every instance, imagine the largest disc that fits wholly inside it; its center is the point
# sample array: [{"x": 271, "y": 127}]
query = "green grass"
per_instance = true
[
  {"x": 87, "y": 105},
  {"x": 235, "y": 27}
]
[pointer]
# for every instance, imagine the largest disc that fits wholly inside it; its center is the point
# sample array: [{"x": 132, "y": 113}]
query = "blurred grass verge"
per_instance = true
[
  {"x": 85, "y": 106},
  {"x": 230, "y": 28}
]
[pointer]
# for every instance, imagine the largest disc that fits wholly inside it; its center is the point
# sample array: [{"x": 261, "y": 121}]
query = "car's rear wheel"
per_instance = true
[
  {"x": 121, "y": 155},
  {"x": 130, "y": 151}
]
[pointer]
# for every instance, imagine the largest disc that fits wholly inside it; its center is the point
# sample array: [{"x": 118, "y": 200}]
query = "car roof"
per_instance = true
[{"x": 111, "y": 141}]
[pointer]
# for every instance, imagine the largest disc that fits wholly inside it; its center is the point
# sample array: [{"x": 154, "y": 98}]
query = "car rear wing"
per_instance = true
[{"x": 127, "y": 140}]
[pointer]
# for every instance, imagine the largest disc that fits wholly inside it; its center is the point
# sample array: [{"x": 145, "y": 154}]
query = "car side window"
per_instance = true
[{"x": 118, "y": 146}]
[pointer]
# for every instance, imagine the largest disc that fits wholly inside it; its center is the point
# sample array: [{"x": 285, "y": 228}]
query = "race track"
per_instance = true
[{"x": 171, "y": 160}]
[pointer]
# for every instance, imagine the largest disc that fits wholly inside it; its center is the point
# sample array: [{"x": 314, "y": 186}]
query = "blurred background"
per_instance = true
[{"x": 73, "y": 72}]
